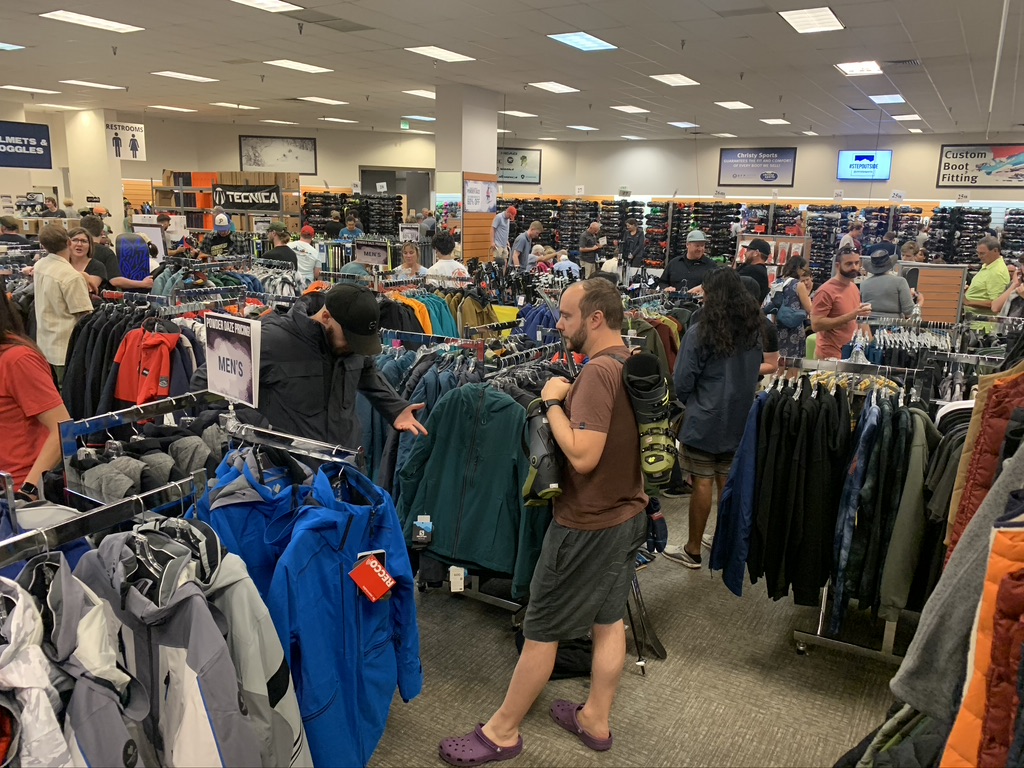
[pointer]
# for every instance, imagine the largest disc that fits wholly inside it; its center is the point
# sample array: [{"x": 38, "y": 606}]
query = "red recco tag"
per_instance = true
[{"x": 371, "y": 577}]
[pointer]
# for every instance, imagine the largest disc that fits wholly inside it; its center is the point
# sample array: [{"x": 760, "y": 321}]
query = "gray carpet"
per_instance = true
[{"x": 732, "y": 692}]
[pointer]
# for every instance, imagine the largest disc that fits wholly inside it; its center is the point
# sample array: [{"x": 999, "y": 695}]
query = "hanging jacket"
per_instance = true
[
  {"x": 346, "y": 653},
  {"x": 255, "y": 647},
  {"x": 25, "y": 671},
  {"x": 83, "y": 643},
  {"x": 171, "y": 642}
]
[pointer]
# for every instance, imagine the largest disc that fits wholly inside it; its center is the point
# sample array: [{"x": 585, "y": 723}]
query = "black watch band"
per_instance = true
[
  {"x": 29, "y": 489},
  {"x": 549, "y": 404}
]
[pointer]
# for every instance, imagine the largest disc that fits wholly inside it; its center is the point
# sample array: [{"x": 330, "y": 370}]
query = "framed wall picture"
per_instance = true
[
  {"x": 277, "y": 154},
  {"x": 518, "y": 166}
]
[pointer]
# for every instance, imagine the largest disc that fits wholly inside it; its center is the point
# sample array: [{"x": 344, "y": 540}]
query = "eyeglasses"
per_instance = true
[{"x": 79, "y": 240}]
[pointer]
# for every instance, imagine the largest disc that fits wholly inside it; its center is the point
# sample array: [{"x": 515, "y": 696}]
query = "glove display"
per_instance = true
[{"x": 657, "y": 528}]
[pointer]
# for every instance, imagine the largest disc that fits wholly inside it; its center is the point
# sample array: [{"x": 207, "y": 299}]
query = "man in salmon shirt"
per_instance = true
[{"x": 836, "y": 307}]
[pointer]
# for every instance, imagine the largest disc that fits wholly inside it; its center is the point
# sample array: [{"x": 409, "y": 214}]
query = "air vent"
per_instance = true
[
  {"x": 903, "y": 63},
  {"x": 758, "y": 11},
  {"x": 326, "y": 20},
  {"x": 862, "y": 109},
  {"x": 242, "y": 61}
]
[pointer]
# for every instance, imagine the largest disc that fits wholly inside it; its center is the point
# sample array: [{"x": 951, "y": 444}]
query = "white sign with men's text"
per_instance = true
[
  {"x": 233, "y": 357},
  {"x": 127, "y": 141}
]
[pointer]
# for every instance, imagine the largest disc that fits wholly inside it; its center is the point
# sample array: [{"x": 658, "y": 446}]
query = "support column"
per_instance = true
[{"x": 94, "y": 170}]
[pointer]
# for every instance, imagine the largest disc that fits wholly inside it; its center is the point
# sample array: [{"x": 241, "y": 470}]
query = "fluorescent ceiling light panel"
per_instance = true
[
  {"x": 915, "y": 130},
  {"x": 58, "y": 106},
  {"x": 674, "y": 80},
  {"x": 632, "y": 110},
  {"x": 322, "y": 100},
  {"x": 170, "y": 109},
  {"x": 554, "y": 87},
  {"x": 336, "y": 120},
  {"x": 87, "y": 84},
  {"x": 424, "y": 118},
  {"x": 90, "y": 21},
  {"x": 230, "y": 106},
  {"x": 724, "y": 135},
  {"x": 809, "y": 133},
  {"x": 279, "y": 122},
  {"x": 184, "y": 76},
  {"x": 26, "y": 89},
  {"x": 515, "y": 113},
  {"x": 634, "y": 138},
  {"x": 733, "y": 105},
  {"x": 11, "y": 47},
  {"x": 859, "y": 68},
  {"x": 271, "y": 6},
  {"x": 807, "y": 20},
  {"x": 298, "y": 66},
  {"x": 684, "y": 124},
  {"x": 583, "y": 42},
  {"x": 774, "y": 121},
  {"x": 421, "y": 92},
  {"x": 582, "y": 128},
  {"x": 416, "y": 130},
  {"x": 906, "y": 118},
  {"x": 441, "y": 54},
  {"x": 502, "y": 130},
  {"x": 890, "y": 98},
  {"x": 547, "y": 138}
]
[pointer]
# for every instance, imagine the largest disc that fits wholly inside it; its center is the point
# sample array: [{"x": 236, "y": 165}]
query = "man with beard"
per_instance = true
[
  {"x": 314, "y": 359},
  {"x": 836, "y": 307},
  {"x": 588, "y": 557}
]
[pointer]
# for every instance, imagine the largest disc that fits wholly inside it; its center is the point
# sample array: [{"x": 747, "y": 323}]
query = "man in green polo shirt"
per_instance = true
[{"x": 989, "y": 284}]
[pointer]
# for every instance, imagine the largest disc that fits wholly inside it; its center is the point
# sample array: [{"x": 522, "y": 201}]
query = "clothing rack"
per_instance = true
[
  {"x": 637, "y": 301},
  {"x": 196, "y": 306},
  {"x": 477, "y": 346},
  {"x": 293, "y": 444},
  {"x": 333, "y": 277},
  {"x": 845, "y": 366},
  {"x": 236, "y": 291},
  {"x": 272, "y": 264},
  {"x": 495, "y": 326},
  {"x": 907, "y": 322},
  {"x": 526, "y": 356},
  {"x": 967, "y": 359},
  {"x": 145, "y": 298}
]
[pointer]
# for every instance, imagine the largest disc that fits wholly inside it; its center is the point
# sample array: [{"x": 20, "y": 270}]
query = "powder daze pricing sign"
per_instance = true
[
  {"x": 233, "y": 357},
  {"x": 757, "y": 167},
  {"x": 25, "y": 145},
  {"x": 981, "y": 165},
  {"x": 126, "y": 141}
]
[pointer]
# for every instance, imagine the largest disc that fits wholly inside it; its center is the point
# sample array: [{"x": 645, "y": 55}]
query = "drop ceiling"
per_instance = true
[{"x": 738, "y": 50}]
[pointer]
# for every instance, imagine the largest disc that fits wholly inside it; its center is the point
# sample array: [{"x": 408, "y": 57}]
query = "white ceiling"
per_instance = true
[{"x": 737, "y": 49}]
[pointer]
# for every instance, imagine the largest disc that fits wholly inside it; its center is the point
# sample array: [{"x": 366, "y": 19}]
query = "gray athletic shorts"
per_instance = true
[{"x": 582, "y": 578}]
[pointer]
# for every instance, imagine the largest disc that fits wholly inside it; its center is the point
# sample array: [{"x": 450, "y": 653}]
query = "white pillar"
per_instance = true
[
  {"x": 94, "y": 170},
  {"x": 466, "y": 137}
]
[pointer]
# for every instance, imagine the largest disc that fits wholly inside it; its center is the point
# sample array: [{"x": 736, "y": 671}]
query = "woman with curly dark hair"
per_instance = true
[{"x": 716, "y": 376}]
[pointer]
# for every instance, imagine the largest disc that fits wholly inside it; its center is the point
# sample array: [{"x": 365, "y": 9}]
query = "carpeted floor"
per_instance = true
[{"x": 732, "y": 692}]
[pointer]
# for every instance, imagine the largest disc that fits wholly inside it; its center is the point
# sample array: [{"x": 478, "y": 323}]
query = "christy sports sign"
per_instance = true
[
  {"x": 981, "y": 165},
  {"x": 757, "y": 167},
  {"x": 127, "y": 141},
  {"x": 25, "y": 145},
  {"x": 247, "y": 198}
]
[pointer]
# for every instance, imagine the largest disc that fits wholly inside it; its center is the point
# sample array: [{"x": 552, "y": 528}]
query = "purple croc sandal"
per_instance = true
[
  {"x": 565, "y": 714},
  {"x": 476, "y": 749}
]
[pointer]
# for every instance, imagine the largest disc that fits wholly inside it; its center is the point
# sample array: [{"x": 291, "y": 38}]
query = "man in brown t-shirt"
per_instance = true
[{"x": 588, "y": 558}]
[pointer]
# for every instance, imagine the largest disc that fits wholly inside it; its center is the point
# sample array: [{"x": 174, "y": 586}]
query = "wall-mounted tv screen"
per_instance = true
[{"x": 864, "y": 165}]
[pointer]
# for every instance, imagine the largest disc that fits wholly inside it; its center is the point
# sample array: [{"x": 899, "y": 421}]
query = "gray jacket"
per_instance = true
[
  {"x": 931, "y": 677},
  {"x": 887, "y": 294},
  {"x": 172, "y": 643}
]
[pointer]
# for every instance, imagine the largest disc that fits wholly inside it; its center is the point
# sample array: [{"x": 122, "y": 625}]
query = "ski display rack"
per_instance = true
[
  {"x": 955, "y": 231},
  {"x": 574, "y": 216},
  {"x": 542, "y": 209},
  {"x": 380, "y": 214},
  {"x": 826, "y": 225},
  {"x": 1013, "y": 233},
  {"x": 716, "y": 221}
]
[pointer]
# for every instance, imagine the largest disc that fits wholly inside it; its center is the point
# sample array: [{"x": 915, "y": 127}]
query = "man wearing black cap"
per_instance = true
[
  {"x": 279, "y": 239},
  {"x": 757, "y": 255}
]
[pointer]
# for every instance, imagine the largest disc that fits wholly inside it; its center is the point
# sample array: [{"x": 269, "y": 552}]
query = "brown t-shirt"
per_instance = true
[
  {"x": 614, "y": 491},
  {"x": 835, "y": 299}
]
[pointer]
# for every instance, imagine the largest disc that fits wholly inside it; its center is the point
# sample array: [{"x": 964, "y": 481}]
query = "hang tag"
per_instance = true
[
  {"x": 540, "y": 335},
  {"x": 372, "y": 578},
  {"x": 520, "y": 300},
  {"x": 423, "y": 530},
  {"x": 457, "y": 578},
  {"x": 631, "y": 332}
]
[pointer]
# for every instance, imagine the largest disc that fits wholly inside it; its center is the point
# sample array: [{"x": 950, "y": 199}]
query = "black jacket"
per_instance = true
[
  {"x": 633, "y": 248},
  {"x": 760, "y": 273},
  {"x": 681, "y": 269}
]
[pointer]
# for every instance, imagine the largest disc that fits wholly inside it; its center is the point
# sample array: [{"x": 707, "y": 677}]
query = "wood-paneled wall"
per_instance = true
[{"x": 476, "y": 227}]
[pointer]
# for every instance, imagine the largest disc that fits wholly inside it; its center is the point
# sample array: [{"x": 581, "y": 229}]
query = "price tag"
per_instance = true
[
  {"x": 896, "y": 196},
  {"x": 540, "y": 335},
  {"x": 775, "y": 194},
  {"x": 579, "y": 189},
  {"x": 382, "y": 186},
  {"x": 372, "y": 579},
  {"x": 837, "y": 195},
  {"x": 520, "y": 300},
  {"x": 963, "y": 197},
  {"x": 457, "y": 578},
  {"x": 719, "y": 194}
]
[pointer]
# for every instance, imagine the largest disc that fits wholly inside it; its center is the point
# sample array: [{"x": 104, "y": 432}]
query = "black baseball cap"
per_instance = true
[
  {"x": 356, "y": 311},
  {"x": 761, "y": 246}
]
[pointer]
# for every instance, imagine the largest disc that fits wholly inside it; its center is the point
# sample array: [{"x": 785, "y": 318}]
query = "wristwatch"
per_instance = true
[
  {"x": 549, "y": 404},
  {"x": 28, "y": 492}
]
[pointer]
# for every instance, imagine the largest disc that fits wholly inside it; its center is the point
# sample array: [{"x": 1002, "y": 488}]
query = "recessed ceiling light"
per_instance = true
[
  {"x": 807, "y": 20},
  {"x": 57, "y": 106},
  {"x": 271, "y": 6},
  {"x": 582, "y": 128},
  {"x": 774, "y": 121},
  {"x": 809, "y": 133},
  {"x": 183, "y": 76},
  {"x": 674, "y": 80},
  {"x": 582, "y": 41},
  {"x": 634, "y": 138},
  {"x": 11, "y": 47},
  {"x": 170, "y": 109},
  {"x": 279, "y": 122},
  {"x": 684, "y": 124},
  {"x": 547, "y": 138},
  {"x": 554, "y": 87},
  {"x": 298, "y": 66},
  {"x": 502, "y": 130},
  {"x": 424, "y": 118},
  {"x": 515, "y": 113},
  {"x": 87, "y": 84},
  {"x": 26, "y": 89},
  {"x": 891, "y": 98},
  {"x": 336, "y": 120},
  {"x": 906, "y": 118},
  {"x": 90, "y": 21},
  {"x": 915, "y": 130},
  {"x": 631, "y": 110},
  {"x": 416, "y": 130},
  {"x": 859, "y": 68},
  {"x": 733, "y": 105},
  {"x": 230, "y": 106},
  {"x": 441, "y": 54},
  {"x": 322, "y": 100},
  {"x": 420, "y": 92},
  {"x": 724, "y": 135}
]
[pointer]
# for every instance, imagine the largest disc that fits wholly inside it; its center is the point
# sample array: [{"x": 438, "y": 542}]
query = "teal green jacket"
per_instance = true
[{"x": 467, "y": 474}]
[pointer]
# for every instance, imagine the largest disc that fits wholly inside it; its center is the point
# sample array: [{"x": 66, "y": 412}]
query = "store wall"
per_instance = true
[{"x": 558, "y": 169}]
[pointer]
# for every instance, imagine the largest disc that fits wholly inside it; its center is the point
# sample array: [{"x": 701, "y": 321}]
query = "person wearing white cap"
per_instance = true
[
  {"x": 687, "y": 273},
  {"x": 222, "y": 241}
]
